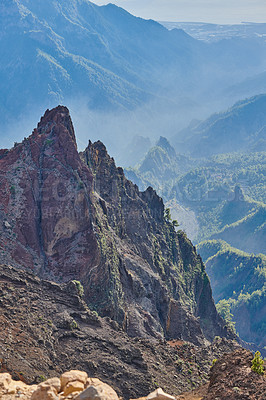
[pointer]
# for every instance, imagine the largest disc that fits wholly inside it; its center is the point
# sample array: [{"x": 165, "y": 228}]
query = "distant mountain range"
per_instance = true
[
  {"x": 53, "y": 50},
  {"x": 226, "y": 193},
  {"x": 240, "y": 128},
  {"x": 220, "y": 202},
  {"x": 103, "y": 58},
  {"x": 215, "y": 32}
]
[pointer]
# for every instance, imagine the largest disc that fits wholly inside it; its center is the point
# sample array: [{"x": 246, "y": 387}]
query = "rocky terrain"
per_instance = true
[
  {"x": 232, "y": 378},
  {"x": 71, "y": 385},
  {"x": 66, "y": 215},
  {"x": 94, "y": 277},
  {"x": 46, "y": 329}
]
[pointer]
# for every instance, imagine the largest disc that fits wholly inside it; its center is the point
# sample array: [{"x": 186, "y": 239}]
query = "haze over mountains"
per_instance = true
[
  {"x": 157, "y": 79},
  {"x": 97, "y": 268},
  {"x": 216, "y": 191},
  {"x": 210, "y": 32},
  {"x": 240, "y": 128}
]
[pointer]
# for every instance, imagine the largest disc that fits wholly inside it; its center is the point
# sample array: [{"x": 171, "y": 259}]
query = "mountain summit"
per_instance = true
[{"x": 66, "y": 215}]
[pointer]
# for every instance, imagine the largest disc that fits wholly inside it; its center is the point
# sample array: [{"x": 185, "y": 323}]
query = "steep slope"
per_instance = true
[
  {"x": 160, "y": 168},
  {"x": 226, "y": 132},
  {"x": 246, "y": 272},
  {"x": 45, "y": 217},
  {"x": 47, "y": 329},
  {"x": 248, "y": 233},
  {"x": 76, "y": 49},
  {"x": 151, "y": 255},
  {"x": 103, "y": 58},
  {"x": 231, "y": 377},
  {"x": 69, "y": 216},
  {"x": 49, "y": 40},
  {"x": 238, "y": 278}
]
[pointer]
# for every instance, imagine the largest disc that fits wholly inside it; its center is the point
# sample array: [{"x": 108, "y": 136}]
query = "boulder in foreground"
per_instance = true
[{"x": 72, "y": 385}]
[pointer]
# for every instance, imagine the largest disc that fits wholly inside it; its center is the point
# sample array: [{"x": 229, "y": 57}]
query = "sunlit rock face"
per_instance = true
[
  {"x": 43, "y": 198},
  {"x": 68, "y": 215}
]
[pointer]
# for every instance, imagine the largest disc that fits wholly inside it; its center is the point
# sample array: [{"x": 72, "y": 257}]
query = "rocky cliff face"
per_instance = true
[
  {"x": 68, "y": 216},
  {"x": 45, "y": 209}
]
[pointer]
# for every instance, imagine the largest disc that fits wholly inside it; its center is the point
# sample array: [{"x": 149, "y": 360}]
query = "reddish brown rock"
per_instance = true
[
  {"x": 232, "y": 378},
  {"x": 44, "y": 191},
  {"x": 45, "y": 328},
  {"x": 65, "y": 215}
]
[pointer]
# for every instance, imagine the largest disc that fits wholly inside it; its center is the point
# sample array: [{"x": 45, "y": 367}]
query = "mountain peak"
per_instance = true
[
  {"x": 65, "y": 215},
  {"x": 164, "y": 144},
  {"x": 57, "y": 117},
  {"x": 49, "y": 114},
  {"x": 45, "y": 205}
]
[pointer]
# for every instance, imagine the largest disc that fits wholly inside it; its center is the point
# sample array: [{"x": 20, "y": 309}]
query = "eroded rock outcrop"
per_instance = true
[
  {"x": 46, "y": 329},
  {"x": 65, "y": 215},
  {"x": 232, "y": 378},
  {"x": 44, "y": 199},
  {"x": 72, "y": 385}
]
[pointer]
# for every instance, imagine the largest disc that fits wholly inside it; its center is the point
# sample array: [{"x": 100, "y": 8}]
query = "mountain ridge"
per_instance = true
[
  {"x": 127, "y": 65},
  {"x": 230, "y": 131},
  {"x": 244, "y": 292},
  {"x": 88, "y": 222}
]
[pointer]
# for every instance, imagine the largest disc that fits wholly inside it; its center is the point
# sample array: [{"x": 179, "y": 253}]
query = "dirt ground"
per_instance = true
[{"x": 197, "y": 394}]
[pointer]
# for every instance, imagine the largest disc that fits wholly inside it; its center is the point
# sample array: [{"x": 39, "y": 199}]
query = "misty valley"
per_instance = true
[{"x": 133, "y": 214}]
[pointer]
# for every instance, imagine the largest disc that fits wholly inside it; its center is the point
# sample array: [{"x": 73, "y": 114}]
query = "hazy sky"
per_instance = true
[{"x": 217, "y": 11}]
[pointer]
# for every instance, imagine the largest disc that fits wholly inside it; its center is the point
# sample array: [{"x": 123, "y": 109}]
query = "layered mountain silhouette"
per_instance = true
[
  {"x": 220, "y": 198},
  {"x": 73, "y": 48},
  {"x": 107, "y": 59},
  {"x": 240, "y": 128}
]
